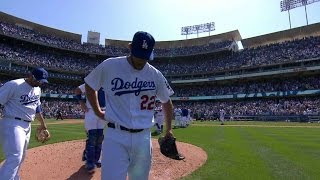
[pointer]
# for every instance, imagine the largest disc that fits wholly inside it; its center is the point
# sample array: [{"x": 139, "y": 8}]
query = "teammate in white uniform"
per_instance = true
[
  {"x": 189, "y": 119},
  {"x": 159, "y": 117},
  {"x": 21, "y": 101},
  {"x": 177, "y": 117},
  {"x": 222, "y": 114},
  {"x": 131, "y": 86},
  {"x": 94, "y": 127}
]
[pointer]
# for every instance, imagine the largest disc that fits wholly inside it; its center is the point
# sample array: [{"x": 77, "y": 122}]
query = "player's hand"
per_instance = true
[{"x": 100, "y": 114}]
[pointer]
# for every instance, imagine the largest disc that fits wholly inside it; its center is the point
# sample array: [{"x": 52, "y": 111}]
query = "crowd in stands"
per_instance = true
[
  {"x": 192, "y": 50},
  {"x": 47, "y": 59},
  {"x": 32, "y": 35},
  {"x": 293, "y": 106},
  {"x": 50, "y": 108},
  {"x": 236, "y": 87},
  {"x": 209, "y": 110},
  {"x": 289, "y": 51},
  {"x": 53, "y": 88},
  {"x": 69, "y": 109},
  {"x": 244, "y": 87},
  {"x": 270, "y": 54},
  {"x": 26, "y": 33}
]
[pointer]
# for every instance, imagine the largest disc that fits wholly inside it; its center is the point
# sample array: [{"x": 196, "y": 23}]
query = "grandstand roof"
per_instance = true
[
  {"x": 281, "y": 36},
  {"x": 232, "y": 35},
  {"x": 43, "y": 29}
]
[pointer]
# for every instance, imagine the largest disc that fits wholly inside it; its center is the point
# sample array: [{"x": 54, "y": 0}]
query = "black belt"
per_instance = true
[
  {"x": 112, "y": 125},
  {"x": 17, "y": 118}
]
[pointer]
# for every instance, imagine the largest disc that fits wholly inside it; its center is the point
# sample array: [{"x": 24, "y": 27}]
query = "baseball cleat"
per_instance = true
[{"x": 90, "y": 168}]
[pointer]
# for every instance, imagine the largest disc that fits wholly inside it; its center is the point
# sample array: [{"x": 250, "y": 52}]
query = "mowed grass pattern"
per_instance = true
[
  {"x": 248, "y": 152},
  {"x": 266, "y": 151}
]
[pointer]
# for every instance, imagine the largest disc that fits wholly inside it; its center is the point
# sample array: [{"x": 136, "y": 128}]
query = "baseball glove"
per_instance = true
[
  {"x": 42, "y": 135},
  {"x": 168, "y": 148}
]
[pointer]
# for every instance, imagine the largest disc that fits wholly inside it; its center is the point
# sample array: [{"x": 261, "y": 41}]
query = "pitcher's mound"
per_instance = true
[{"x": 62, "y": 161}]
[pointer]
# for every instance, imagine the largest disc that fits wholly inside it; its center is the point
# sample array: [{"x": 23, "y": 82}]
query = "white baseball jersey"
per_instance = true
[
  {"x": 91, "y": 121},
  {"x": 177, "y": 112},
  {"x": 101, "y": 99},
  {"x": 130, "y": 94},
  {"x": 20, "y": 99},
  {"x": 83, "y": 90},
  {"x": 159, "y": 115},
  {"x": 222, "y": 114}
]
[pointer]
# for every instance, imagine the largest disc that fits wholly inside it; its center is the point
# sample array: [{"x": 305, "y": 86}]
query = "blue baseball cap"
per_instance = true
[
  {"x": 142, "y": 45},
  {"x": 41, "y": 75}
]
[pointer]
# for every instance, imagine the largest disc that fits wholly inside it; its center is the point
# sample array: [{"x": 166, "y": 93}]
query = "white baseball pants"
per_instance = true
[
  {"x": 14, "y": 137},
  {"x": 125, "y": 153}
]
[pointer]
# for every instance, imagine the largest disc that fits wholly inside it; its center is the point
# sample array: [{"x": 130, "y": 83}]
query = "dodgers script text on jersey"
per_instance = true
[
  {"x": 121, "y": 87},
  {"x": 28, "y": 99}
]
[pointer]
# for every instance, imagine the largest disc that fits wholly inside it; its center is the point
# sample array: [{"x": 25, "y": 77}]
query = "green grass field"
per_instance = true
[{"x": 245, "y": 150}]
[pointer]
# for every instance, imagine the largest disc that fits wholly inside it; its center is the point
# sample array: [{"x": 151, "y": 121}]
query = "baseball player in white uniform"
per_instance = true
[
  {"x": 222, "y": 114},
  {"x": 177, "y": 117},
  {"x": 159, "y": 117},
  {"x": 94, "y": 127},
  {"x": 131, "y": 87},
  {"x": 21, "y": 101},
  {"x": 189, "y": 119}
]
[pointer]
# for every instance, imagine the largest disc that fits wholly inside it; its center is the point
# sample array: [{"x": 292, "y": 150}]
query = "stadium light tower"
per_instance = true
[
  {"x": 206, "y": 27},
  {"x": 287, "y": 5}
]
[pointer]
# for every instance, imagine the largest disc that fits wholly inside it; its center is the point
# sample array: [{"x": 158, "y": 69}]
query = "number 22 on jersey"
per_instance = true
[{"x": 147, "y": 103}]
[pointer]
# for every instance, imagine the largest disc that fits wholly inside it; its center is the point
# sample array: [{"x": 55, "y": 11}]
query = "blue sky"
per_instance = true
[{"x": 120, "y": 19}]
